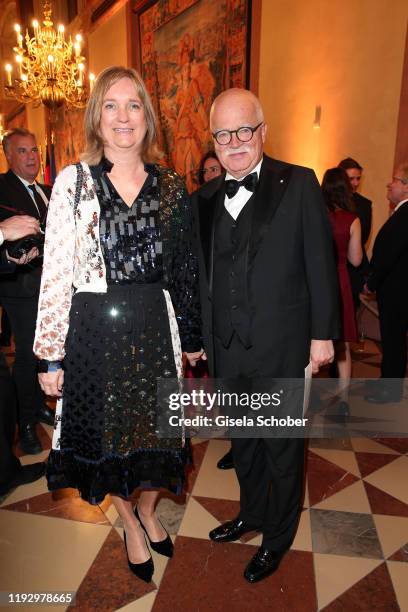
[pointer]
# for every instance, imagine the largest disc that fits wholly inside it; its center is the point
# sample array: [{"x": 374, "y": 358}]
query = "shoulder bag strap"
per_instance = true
[{"x": 78, "y": 188}]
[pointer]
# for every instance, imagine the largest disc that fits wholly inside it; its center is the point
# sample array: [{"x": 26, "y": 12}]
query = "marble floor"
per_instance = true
[{"x": 350, "y": 553}]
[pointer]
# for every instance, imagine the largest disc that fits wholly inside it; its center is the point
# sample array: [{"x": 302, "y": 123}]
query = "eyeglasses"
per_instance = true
[
  {"x": 244, "y": 134},
  {"x": 397, "y": 178}
]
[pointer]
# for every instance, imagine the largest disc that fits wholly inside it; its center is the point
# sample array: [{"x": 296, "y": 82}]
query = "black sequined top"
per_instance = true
[{"x": 151, "y": 241}]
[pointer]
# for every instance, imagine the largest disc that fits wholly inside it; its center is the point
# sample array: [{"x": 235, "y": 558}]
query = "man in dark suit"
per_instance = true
[
  {"x": 12, "y": 473},
  {"x": 389, "y": 266},
  {"x": 269, "y": 305},
  {"x": 20, "y": 193},
  {"x": 363, "y": 209}
]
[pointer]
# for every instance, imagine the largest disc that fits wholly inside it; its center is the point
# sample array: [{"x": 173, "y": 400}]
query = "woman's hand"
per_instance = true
[
  {"x": 193, "y": 358},
  {"x": 52, "y": 382}
]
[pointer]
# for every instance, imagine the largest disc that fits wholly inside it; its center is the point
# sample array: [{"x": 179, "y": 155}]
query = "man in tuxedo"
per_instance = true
[
  {"x": 389, "y": 265},
  {"x": 19, "y": 193},
  {"x": 363, "y": 209},
  {"x": 269, "y": 305},
  {"x": 12, "y": 473}
]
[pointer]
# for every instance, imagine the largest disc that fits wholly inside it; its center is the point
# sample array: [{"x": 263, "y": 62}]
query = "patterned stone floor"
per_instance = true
[{"x": 350, "y": 553}]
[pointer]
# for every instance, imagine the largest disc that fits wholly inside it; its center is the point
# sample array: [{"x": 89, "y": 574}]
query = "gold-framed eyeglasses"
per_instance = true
[{"x": 244, "y": 134}]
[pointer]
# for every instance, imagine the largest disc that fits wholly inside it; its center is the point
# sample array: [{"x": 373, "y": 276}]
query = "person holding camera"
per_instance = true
[{"x": 21, "y": 195}]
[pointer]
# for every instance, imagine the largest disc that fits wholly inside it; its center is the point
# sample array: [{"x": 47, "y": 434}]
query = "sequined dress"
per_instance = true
[{"x": 120, "y": 342}]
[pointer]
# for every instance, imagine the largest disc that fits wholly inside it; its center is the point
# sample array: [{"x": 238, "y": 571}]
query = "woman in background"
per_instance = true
[
  {"x": 210, "y": 167},
  {"x": 346, "y": 229},
  {"x": 119, "y": 240}
]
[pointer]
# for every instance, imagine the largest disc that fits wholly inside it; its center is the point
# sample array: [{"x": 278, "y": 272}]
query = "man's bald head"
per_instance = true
[
  {"x": 239, "y": 97},
  {"x": 233, "y": 109}
]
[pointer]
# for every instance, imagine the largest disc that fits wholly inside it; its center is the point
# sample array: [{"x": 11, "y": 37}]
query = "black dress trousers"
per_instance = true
[
  {"x": 22, "y": 312},
  {"x": 270, "y": 471},
  {"x": 9, "y": 464}
]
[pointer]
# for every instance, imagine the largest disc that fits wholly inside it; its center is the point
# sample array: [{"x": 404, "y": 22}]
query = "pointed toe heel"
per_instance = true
[
  {"x": 144, "y": 570},
  {"x": 164, "y": 547}
]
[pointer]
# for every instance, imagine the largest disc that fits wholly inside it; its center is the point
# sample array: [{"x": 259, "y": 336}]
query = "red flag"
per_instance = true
[{"x": 50, "y": 171}]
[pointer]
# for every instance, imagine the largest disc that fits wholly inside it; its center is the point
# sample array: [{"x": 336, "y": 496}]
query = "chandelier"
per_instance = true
[{"x": 49, "y": 69}]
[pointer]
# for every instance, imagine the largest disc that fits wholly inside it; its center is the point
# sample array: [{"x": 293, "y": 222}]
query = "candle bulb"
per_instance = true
[
  {"x": 35, "y": 26},
  {"x": 9, "y": 70},
  {"x": 51, "y": 66},
  {"x": 19, "y": 62},
  {"x": 78, "y": 39},
  {"x": 81, "y": 74},
  {"x": 91, "y": 80},
  {"x": 17, "y": 30},
  {"x": 61, "y": 32}
]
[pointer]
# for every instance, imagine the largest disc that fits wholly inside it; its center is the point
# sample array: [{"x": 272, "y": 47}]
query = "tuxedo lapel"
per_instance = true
[
  {"x": 273, "y": 181},
  {"x": 208, "y": 207}
]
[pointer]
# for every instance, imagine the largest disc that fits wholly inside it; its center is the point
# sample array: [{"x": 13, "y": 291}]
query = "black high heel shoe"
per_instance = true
[
  {"x": 164, "y": 547},
  {"x": 144, "y": 570}
]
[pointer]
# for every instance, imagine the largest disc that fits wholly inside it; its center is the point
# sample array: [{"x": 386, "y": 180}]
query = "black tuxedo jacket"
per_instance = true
[
  {"x": 358, "y": 274},
  {"x": 389, "y": 263},
  {"x": 25, "y": 281},
  {"x": 291, "y": 273}
]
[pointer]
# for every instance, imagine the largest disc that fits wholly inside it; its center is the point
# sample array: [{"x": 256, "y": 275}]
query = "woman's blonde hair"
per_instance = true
[{"x": 94, "y": 144}]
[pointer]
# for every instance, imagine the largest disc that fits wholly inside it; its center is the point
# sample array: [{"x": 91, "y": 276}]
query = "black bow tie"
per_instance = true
[{"x": 249, "y": 182}]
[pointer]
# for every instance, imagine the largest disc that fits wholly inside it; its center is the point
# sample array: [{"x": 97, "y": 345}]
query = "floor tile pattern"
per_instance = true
[{"x": 350, "y": 552}]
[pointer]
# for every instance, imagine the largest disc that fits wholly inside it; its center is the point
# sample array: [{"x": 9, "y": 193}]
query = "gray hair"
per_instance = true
[{"x": 14, "y": 132}]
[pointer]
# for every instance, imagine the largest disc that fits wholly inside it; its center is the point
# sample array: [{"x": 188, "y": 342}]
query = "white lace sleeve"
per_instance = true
[{"x": 56, "y": 282}]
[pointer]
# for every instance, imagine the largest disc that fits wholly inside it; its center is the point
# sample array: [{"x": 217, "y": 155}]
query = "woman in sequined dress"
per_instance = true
[{"x": 118, "y": 305}]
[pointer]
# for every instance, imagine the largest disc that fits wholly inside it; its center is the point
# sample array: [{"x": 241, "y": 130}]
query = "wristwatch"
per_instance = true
[{"x": 44, "y": 366}]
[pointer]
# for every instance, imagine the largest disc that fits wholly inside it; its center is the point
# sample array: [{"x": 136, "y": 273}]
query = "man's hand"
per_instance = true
[
  {"x": 193, "y": 358},
  {"x": 52, "y": 382},
  {"x": 26, "y": 258},
  {"x": 321, "y": 353},
  {"x": 18, "y": 227}
]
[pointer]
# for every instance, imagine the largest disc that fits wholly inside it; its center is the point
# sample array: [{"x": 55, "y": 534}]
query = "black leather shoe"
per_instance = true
[
  {"x": 163, "y": 547},
  {"x": 230, "y": 531},
  {"x": 29, "y": 441},
  {"x": 45, "y": 415},
  {"x": 226, "y": 462},
  {"x": 144, "y": 570},
  {"x": 27, "y": 474},
  {"x": 263, "y": 564}
]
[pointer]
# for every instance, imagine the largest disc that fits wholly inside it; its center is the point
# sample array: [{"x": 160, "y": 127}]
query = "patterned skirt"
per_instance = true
[{"x": 105, "y": 438}]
